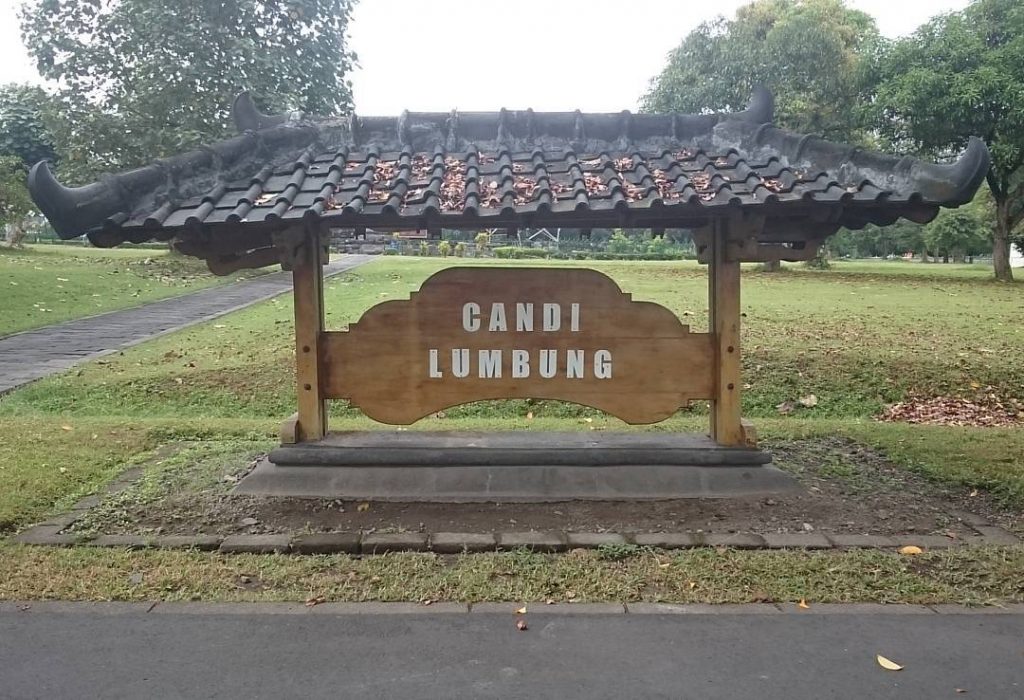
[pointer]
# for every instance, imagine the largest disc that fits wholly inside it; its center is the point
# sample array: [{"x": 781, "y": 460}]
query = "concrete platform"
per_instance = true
[
  {"x": 514, "y": 448},
  {"x": 515, "y": 466}
]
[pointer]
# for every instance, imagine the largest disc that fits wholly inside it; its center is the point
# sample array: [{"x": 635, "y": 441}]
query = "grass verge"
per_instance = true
[
  {"x": 975, "y": 576},
  {"x": 47, "y": 284}
]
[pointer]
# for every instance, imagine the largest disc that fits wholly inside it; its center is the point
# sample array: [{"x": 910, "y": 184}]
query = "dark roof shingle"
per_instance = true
[{"x": 507, "y": 168}]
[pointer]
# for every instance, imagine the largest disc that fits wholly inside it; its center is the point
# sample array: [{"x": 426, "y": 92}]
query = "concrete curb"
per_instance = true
[
  {"x": 354, "y": 543},
  {"x": 534, "y": 609}
]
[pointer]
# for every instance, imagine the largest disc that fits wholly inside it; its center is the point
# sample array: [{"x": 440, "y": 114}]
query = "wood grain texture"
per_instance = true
[
  {"x": 308, "y": 281},
  {"x": 382, "y": 363},
  {"x": 724, "y": 307}
]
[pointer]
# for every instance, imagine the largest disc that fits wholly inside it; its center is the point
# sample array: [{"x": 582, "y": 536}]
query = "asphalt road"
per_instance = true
[
  {"x": 89, "y": 653},
  {"x": 34, "y": 354}
]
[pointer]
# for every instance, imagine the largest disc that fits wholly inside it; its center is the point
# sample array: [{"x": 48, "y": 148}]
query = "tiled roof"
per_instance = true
[{"x": 507, "y": 168}]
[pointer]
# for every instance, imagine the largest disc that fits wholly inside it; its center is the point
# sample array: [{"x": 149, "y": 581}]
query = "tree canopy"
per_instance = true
[
  {"x": 141, "y": 79},
  {"x": 959, "y": 76},
  {"x": 817, "y": 57},
  {"x": 22, "y": 132}
]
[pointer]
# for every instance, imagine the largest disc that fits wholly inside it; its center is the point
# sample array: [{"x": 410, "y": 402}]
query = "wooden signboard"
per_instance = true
[{"x": 472, "y": 334}]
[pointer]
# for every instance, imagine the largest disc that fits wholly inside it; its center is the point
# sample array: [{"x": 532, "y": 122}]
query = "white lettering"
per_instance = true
[
  {"x": 520, "y": 364},
  {"x": 603, "y": 364},
  {"x": 548, "y": 363},
  {"x": 574, "y": 364},
  {"x": 490, "y": 364},
  {"x": 574, "y": 318},
  {"x": 498, "y": 322},
  {"x": 460, "y": 362},
  {"x": 552, "y": 317},
  {"x": 524, "y": 317},
  {"x": 471, "y": 317},
  {"x": 435, "y": 373}
]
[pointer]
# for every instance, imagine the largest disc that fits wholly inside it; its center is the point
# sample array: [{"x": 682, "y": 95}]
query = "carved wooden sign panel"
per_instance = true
[{"x": 476, "y": 333}]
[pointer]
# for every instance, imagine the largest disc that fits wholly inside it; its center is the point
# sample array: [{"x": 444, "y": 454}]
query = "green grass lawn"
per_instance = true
[
  {"x": 858, "y": 336},
  {"x": 46, "y": 284}
]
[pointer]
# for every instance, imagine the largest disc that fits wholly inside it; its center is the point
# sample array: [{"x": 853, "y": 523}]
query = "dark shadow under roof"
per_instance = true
[{"x": 507, "y": 168}]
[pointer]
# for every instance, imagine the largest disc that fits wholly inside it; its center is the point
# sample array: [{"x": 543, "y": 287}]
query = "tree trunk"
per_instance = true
[
  {"x": 959, "y": 256},
  {"x": 1001, "y": 242},
  {"x": 771, "y": 266},
  {"x": 924, "y": 255}
]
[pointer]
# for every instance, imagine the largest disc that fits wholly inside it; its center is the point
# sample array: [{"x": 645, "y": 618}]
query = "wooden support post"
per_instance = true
[
  {"x": 308, "y": 285},
  {"x": 724, "y": 310}
]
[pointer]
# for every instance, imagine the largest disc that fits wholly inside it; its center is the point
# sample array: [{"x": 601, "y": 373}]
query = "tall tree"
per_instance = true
[
  {"x": 142, "y": 79},
  {"x": 958, "y": 76},
  {"x": 15, "y": 203},
  {"x": 22, "y": 132},
  {"x": 817, "y": 56}
]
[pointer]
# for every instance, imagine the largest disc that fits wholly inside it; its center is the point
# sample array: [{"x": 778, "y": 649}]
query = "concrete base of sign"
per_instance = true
[{"x": 515, "y": 466}]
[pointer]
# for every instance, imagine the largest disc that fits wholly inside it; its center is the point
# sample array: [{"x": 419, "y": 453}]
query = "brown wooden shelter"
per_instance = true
[{"x": 748, "y": 190}]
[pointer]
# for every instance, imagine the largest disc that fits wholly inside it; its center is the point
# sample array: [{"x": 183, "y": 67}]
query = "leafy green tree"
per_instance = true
[
  {"x": 958, "y": 76},
  {"x": 22, "y": 132},
  {"x": 817, "y": 57},
  {"x": 15, "y": 203},
  {"x": 142, "y": 79},
  {"x": 956, "y": 233}
]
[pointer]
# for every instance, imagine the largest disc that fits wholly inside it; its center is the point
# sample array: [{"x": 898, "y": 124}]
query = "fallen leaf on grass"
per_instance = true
[
  {"x": 363, "y": 507},
  {"x": 521, "y": 625},
  {"x": 911, "y": 549},
  {"x": 887, "y": 664},
  {"x": 809, "y": 401},
  {"x": 529, "y": 416},
  {"x": 66, "y": 427},
  {"x": 314, "y": 601}
]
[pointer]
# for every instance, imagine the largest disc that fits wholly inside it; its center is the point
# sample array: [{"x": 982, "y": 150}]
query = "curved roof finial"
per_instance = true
[
  {"x": 761, "y": 108},
  {"x": 249, "y": 118}
]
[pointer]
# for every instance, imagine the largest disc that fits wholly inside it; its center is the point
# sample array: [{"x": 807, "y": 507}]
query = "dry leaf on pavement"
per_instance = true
[{"x": 887, "y": 664}]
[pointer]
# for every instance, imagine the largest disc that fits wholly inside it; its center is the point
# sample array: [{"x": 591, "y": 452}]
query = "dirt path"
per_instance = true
[{"x": 31, "y": 355}]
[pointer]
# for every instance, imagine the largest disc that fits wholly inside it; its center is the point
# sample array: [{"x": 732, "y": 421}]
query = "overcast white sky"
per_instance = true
[{"x": 435, "y": 55}]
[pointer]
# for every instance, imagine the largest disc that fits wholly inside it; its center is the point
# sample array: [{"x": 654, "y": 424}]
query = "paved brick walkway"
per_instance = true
[{"x": 32, "y": 355}]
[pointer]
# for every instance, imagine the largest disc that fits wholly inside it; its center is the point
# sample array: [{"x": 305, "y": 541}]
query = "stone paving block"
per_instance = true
[
  {"x": 124, "y": 541},
  {"x": 702, "y": 609},
  {"x": 797, "y": 540},
  {"x": 736, "y": 540},
  {"x": 856, "y": 609},
  {"x": 594, "y": 539},
  {"x": 972, "y": 519},
  {"x": 379, "y": 543},
  {"x": 255, "y": 544},
  {"x": 64, "y": 519},
  {"x": 538, "y": 608},
  {"x": 327, "y": 543},
  {"x": 206, "y": 543},
  {"x": 87, "y": 503},
  {"x": 669, "y": 540},
  {"x": 862, "y": 541},
  {"x": 46, "y": 535},
  {"x": 950, "y": 609},
  {"x": 996, "y": 535},
  {"x": 537, "y": 541},
  {"x": 459, "y": 542},
  {"x": 373, "y": 608},
  {"x": 927, "y": 541}
]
